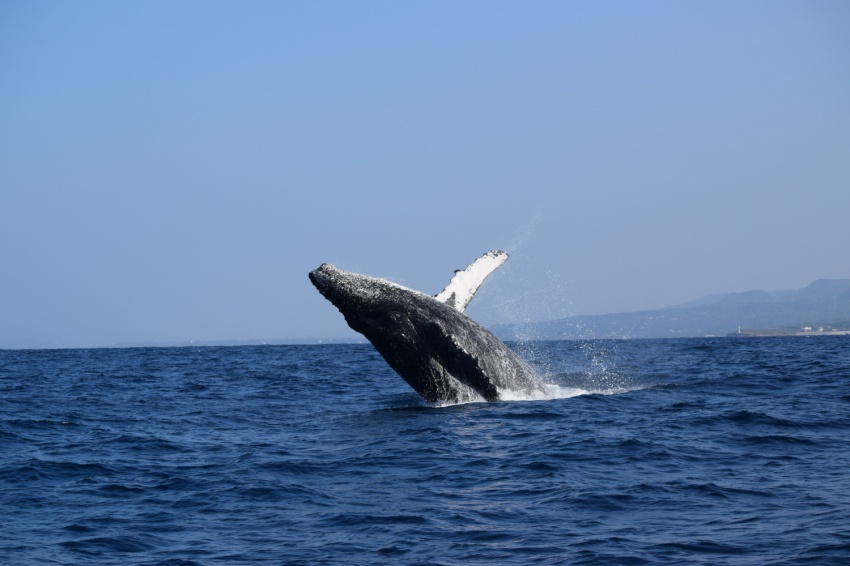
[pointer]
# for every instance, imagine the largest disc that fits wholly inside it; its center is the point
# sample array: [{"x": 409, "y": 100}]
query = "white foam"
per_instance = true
[
  {"x": 549, "y": 391},
  {"x": 554, "y": 391}
]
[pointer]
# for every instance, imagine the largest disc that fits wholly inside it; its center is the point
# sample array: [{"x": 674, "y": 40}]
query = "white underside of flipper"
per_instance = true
[{"x": 465, "y": 282}]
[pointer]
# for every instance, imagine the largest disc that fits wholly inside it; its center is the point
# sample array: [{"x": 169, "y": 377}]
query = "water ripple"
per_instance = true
[{"x": 677, "y": 451}]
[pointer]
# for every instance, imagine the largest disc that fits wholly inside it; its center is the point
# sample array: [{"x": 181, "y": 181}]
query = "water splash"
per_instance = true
[
  {"x": 549, "y": 392},
  {"x": 572, "y": 368}
]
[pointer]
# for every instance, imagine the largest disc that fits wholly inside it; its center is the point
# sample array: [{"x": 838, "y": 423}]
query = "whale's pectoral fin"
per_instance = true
[
  {"x": 459, "y": 363},
  {"x": 465, "y": 282}
]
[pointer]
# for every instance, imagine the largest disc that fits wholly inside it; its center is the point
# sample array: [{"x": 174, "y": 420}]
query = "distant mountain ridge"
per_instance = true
[{"x": 824, "y": 302}]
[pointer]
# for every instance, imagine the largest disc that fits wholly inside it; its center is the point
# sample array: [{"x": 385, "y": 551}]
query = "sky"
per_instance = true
[{"x": 171, "y": 171}]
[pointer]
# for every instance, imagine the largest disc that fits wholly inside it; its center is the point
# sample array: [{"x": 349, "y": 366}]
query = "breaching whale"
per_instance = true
[{"x": 440, "y": 352}]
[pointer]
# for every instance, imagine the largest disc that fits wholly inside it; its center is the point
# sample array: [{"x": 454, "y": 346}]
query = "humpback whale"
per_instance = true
[{"x": 440, "y": 352}]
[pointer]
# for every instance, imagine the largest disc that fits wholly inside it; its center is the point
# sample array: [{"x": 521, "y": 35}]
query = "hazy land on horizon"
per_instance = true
[{"x": 824, "y": 304}]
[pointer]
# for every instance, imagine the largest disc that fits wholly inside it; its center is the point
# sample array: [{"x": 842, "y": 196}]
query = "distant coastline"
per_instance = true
[
  {"x": 820, "y": 309},
  {"x": 809, "y": 330}
]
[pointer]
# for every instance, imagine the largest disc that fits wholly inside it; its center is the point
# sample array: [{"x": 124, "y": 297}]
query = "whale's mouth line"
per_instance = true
[
  {"x": 316, "y": 277},
  {"x": 320, "y": 280}
]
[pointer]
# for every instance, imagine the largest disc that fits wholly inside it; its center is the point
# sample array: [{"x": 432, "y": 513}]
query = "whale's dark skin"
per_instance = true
[{"x": 440, "y": 352}]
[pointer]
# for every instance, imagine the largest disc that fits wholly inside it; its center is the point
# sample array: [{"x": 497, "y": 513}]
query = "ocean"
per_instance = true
[{"x": 681, "y": 451}]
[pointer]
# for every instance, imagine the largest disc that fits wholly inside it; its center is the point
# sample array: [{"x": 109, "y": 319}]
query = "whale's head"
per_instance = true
[
  {"x": 365, "y": 301},
  {"x": 343, "y": 288}
]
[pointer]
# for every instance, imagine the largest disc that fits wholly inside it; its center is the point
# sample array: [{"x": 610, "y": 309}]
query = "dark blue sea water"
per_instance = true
[{"x": 704, "y": 451}]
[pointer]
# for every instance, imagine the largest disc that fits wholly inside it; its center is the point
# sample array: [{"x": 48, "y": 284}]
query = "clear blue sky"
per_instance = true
[{"x": 170, "y": 171}]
